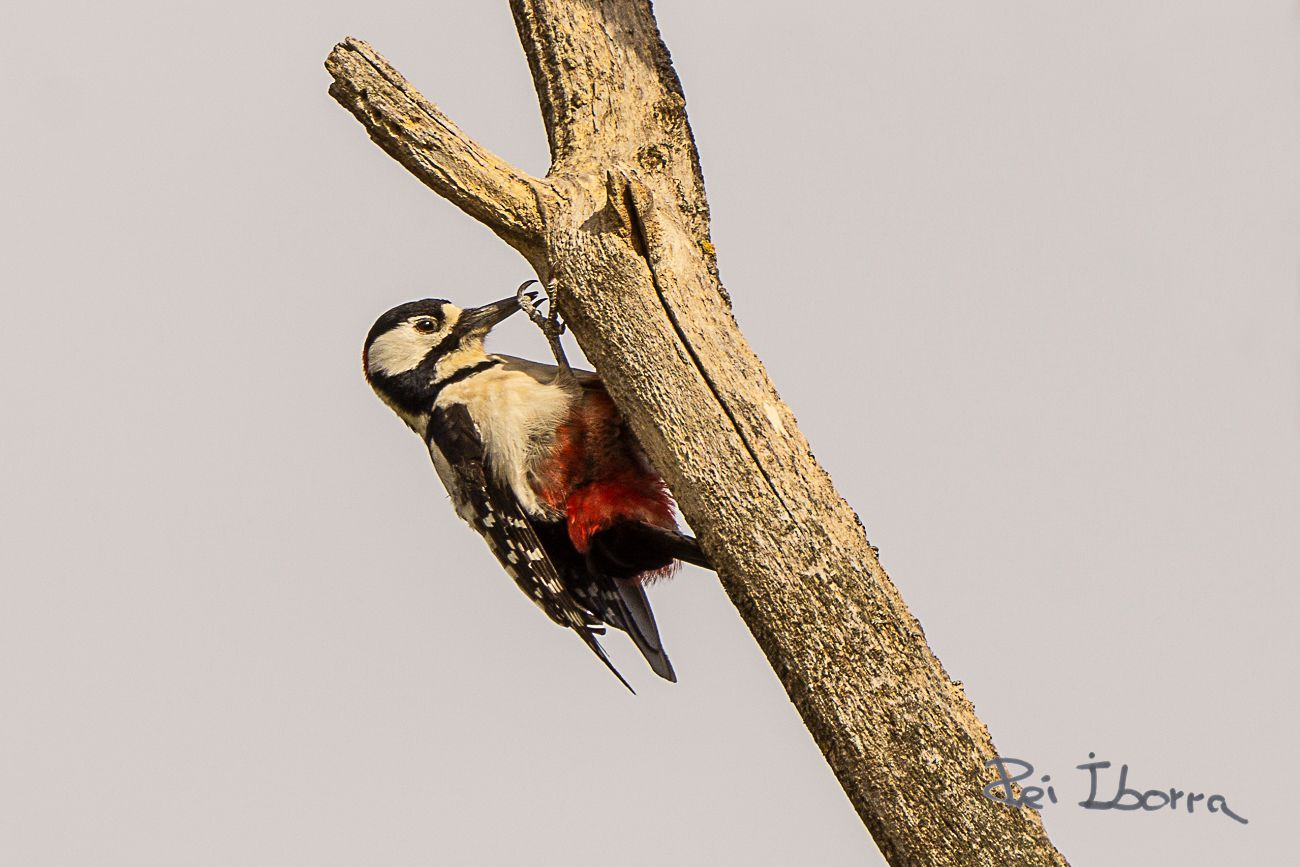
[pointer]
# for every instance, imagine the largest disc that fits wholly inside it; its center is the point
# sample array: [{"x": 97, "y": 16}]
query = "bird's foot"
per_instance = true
[{"x": 548, "y": 323}]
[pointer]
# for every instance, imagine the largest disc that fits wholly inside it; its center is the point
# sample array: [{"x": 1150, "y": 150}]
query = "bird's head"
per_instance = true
[{"x": 414, "y": 346}]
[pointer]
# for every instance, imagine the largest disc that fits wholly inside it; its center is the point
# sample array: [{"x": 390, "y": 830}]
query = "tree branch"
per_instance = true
[
  {"x": 622, "y": 227},
  {"x": 419, "y": 136}
]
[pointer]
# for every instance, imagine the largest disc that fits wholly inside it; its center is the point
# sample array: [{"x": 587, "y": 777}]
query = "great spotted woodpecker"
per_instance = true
[{"x": 539, "y": 461}]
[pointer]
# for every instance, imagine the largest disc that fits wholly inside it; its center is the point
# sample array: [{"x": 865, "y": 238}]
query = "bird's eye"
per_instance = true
[{"x": 426, "y": 326}]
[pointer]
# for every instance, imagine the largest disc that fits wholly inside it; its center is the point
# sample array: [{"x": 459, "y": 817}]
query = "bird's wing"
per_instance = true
[
  {"x": 545, "y": 372},
  {"x": 492, "y": 510}
]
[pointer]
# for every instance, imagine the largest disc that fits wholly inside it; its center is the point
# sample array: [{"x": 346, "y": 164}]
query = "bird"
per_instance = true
[{"x": 538, "y": 460}]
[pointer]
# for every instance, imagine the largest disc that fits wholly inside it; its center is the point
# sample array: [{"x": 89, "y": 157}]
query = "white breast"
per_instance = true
[{"x": 516, "y": 417}]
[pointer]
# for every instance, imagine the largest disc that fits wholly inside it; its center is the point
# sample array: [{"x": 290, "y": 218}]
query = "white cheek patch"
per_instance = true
[{"x": 402, "y": 348}]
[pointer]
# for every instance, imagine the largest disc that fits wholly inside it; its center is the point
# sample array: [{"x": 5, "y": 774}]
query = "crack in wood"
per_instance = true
[{"x": 641, "y": 243}]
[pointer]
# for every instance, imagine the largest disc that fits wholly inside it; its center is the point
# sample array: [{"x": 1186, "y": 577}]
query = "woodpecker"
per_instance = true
[{"x": 538, "y": 460}]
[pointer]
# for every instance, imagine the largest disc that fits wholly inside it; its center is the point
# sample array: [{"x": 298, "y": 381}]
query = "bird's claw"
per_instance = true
[
  {"x": 549, "y": 322},
  {"x": 527, "y": 301}
]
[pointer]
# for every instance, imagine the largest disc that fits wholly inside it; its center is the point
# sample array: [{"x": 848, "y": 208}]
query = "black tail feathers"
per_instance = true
[
  {"x": 618, "y": 555},
  {"x": 605, "y": 582},
  {"x": 639, "y": 623}
]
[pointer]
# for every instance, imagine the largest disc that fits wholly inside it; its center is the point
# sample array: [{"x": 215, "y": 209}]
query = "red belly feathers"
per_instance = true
[{"x": 598, "y": 475}]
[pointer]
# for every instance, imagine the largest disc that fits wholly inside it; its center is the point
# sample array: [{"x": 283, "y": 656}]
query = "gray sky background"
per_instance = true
[{"x": 1031, "y": 287}]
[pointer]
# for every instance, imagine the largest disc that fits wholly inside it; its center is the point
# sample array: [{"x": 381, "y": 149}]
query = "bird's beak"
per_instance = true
[{"x": 483, "y": 319}]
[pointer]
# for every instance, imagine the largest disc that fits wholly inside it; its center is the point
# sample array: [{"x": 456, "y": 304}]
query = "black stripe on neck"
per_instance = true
[
  {"x": 449, "y": 342},
  {"x": 463, "y": 373}
]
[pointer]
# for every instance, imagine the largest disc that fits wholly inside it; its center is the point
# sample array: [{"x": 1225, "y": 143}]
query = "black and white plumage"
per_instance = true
[{"x": 539, "y": 462}]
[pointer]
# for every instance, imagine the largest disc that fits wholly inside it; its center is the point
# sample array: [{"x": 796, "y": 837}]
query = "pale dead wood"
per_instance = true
[
  {"x": 621, "y": 225},
  {"x": 419, "y": 136}
]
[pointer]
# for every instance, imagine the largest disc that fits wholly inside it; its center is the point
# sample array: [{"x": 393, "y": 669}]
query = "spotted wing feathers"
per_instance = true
[{"x": 494, "y": 512}]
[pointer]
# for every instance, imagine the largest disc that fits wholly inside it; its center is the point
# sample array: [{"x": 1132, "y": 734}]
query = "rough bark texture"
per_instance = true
[{"x": 621, "y": 224}]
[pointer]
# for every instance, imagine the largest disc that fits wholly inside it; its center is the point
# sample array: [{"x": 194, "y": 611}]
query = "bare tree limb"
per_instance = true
[
  {"x": 419, "y": 136},
  {"x": 621, "y": 224}
]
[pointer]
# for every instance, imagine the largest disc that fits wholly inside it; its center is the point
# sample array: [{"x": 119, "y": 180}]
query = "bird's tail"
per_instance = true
[{"x": 639, "y": 623}]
